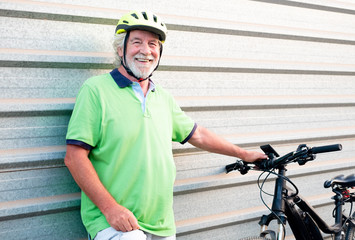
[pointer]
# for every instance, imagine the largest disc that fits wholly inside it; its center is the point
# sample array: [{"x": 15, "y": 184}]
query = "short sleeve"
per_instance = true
[
  {"x": 183, "y": 125},
  {"x": 85, "y": 122}
]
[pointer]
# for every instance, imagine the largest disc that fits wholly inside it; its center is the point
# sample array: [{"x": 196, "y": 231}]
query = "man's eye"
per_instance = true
[{"x": 153, "y": 44}]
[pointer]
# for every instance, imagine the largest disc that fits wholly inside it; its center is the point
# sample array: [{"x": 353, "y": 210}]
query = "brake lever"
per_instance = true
[
  {"x": 303, "y": 154},
  {"x": 239, "y": 165}
]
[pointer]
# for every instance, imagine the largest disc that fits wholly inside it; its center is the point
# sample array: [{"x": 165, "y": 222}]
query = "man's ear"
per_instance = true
[{"x": 120, "y": 52}]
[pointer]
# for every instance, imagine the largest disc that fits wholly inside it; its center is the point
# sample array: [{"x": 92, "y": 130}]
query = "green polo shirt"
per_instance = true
[{"x": 131, "y": 150}]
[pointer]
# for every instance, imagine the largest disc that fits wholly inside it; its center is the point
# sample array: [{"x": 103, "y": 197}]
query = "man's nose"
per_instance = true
[{"x": 145, "y": 49}]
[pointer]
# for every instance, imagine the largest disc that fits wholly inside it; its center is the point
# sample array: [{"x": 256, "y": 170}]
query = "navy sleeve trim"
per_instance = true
[
  {"x": 190, "y": 135},
  {"x": 79, "y": 143}
]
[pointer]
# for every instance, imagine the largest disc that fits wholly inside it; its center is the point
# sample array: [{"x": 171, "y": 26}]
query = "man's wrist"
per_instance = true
[{"x": 242, "y": 153}]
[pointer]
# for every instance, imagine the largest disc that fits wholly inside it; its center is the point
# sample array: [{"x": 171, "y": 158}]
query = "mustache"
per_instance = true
[{"x": 144, "y": 57}]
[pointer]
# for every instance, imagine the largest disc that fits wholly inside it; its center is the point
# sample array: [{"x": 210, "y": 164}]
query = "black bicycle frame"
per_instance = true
[{"x": 304, "y": 222}]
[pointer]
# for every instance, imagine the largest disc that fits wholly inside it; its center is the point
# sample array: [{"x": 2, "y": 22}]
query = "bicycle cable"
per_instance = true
[
  {"x": 262, "y": 198},
  {"x": 263, "y": 182},
  {"x": 350, "y": 212},
  {"x": 296, "y": 191}
]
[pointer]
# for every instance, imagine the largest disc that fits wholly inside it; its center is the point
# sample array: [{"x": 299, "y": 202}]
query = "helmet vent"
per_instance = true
[
  {"x": 145, "y": 15},
  {"x": 142, "y": 20},
  {"x": 134, "y": 15}
]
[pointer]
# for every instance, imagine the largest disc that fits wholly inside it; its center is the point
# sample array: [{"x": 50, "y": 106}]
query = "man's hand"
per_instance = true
[
  {"x": 121, "y": 219},
  {"x": 252, "y": 156}
]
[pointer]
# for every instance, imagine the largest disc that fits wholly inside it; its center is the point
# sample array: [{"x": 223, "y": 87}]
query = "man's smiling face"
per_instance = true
[{"x": 142, "y": 53}]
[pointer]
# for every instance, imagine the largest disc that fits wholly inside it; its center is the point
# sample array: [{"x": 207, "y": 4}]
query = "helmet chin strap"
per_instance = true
[{"x": 128, "y": 70}]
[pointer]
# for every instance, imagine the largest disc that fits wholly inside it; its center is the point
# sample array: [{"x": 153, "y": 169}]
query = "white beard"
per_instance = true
[{"x": 145, "y": 71}]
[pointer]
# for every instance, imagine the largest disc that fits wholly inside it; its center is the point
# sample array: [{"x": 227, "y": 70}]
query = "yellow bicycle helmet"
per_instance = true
[{"x": 145, "y": 20}]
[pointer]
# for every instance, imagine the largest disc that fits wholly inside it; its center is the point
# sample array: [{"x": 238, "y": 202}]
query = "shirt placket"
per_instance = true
[{"x": 143, "y": 99}]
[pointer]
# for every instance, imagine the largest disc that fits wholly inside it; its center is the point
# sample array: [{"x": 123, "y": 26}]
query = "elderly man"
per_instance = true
[{"x": 119, "y": 140}]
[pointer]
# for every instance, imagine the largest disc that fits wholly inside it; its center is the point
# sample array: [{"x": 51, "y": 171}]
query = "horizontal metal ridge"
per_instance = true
[
  {"x": 219, "y": 220},
  {"x": 41, "y": 64},
  {"x": 254, "y": 70},
  {"x": 273, "y": 106},
  {"x": 17, "y": 106},
  {"x": 30, "y": 158},
  {"x": 39, "y": 206},
  {"x": 194, "y": 103},
  {"x": 309, "y": 6},
  {"x": 179, "y": 27},
  {"x": 57, "y": 17},
  {"x": 237, "y": 32},
  {"x": 93, "y": 65},
  {"x": 268, "y": 102}
]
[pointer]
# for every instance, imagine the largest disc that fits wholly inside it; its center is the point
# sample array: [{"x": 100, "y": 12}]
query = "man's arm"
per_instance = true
[
  {"x": 209, "y": 141},
  {"x": 84, "y": 174}
]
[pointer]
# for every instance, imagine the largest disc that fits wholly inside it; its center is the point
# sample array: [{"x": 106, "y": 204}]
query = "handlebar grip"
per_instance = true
[
  {"x": 230, "y": 167},
  {"x": 239, "y": 165},
  {"x": 327, "y": 148}
]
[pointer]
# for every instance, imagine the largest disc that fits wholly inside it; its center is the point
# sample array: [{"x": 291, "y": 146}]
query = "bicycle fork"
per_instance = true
[
  {"x": 264, "y": 223},
  {"x": 278, "y": 210}
]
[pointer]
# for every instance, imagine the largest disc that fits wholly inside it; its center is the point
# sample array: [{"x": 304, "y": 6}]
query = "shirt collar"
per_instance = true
[{"x": 123, "y": 82}]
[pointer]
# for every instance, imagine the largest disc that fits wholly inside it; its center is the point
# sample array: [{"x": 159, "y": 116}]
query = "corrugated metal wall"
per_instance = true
[{"x": 256, "y": 72}]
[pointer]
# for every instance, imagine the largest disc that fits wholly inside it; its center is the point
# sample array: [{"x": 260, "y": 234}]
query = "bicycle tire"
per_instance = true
[{"x": 350, "y": 229}]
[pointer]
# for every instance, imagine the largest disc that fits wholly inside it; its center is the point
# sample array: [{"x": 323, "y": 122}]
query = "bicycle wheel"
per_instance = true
[{"x": 350, "y": 229}]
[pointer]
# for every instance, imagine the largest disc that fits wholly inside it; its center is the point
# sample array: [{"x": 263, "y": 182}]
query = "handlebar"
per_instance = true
[
  {"x": 302, "y": 155},
  {"x": 328, "y": 148}
]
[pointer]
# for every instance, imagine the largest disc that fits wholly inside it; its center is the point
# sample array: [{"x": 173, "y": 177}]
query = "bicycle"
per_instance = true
[{"x": 289, "y": 206}]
